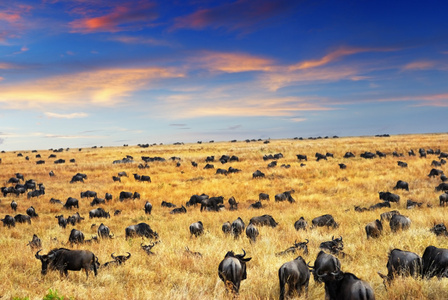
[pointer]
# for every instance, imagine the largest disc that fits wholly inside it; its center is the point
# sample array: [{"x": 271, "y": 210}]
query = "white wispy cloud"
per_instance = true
[{"x": 66, "y": 116}]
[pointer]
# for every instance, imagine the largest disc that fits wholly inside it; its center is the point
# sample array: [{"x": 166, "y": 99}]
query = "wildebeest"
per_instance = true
[
  {"x": 374, "y": 229},
  {"x": 75, "y": 218},
  {"x": 167, "y": 204},
  {"x": 88, "y": 194},
  {"x": 55, "y": 201},
  {"x": 348, "y": 155},
  {"x": 65, "y": 260},
  {"x": 401, "y": 185},
  {"x": 128, "y": 195},
  {"x": 272, "y": 164},
  {"x": 402, "y": 263},
  {"x": 435, "y": 262},
  {"x": 19, "y": 218},
  {"x": 61, "y": 221},
  {"x": 340, "y": 285},
  {"x": 325, "y": 264},
  {"x": 442, "y": 187},
  {"x": 233, "y": 204},
  {"x": 71, "y": 202},
  {"x": 226, "y": 227},
  {"x": 389, "y": 197},
  {"x": 256, "y": 205},
  {"x": 379, "y": 205},
  {"x": 77, "y": 178},
  {"x": 300, "y": 224},
  {"x": 342, "y": 166},
  {"x": 35, "y": 242},
  {"x": 121, "y": 174},
  {"x": 264, "y": 220},
  {"x": 148, "y": 208},
  {"x": 148, "y": 248},
  {"x": 285, "y": 196},
  {"x": 257, "y": 174},
  {"x": 117, "y": 260},
  {"x": 179, "y": 210},
  {"x": 334, "y": 246},
  {"x": 116, "y": 178},
  {"x": 104, "y": 232},
  {"x": 98, "y": 213},
  {"x": 368, "y": 155},
  {"x": 9, "y": 221},
  {"x": 301, "y": 157},
  {"x": 294, "y": 248},
  {"x": 439, "y": 229},
  {"x": 13, "y": 205},
  {"x": 107, "y": 196},
  {"x": 196, "y": 199},
  {"x": 212, "y": 203},
  {"x": 221, "y": 172},
  {"x": 97, "y": 201},
  {"x": 209, "y": 166},
  {"x": 76, "y": 237},
  {"x": 296, "y": 275},
  {"x": 197, "y": 229},
  {"x": 232, "y": 270},
  {"x": 411, "y": 204},
  {"x": 141, "y": 229},
  {"x": 324, "y": 220},
  {"x": 435, "y": 172},
  {"x": 252, "y": 232},
  {"x": 263, "y": 196},
  {"x": 238, "y": 227},
  {"x": 402, "y": 164},
  {"x": 386, "y": 216},
  {"x": 443, "y": 199},
  {"x": 398, "y": 222},
  {"x": 142, "y": 178},
  {"x": 320, "y": 156}
]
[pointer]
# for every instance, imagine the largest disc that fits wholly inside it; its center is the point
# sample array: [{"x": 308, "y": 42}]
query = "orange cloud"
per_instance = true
[
  {"x": 232, "y": 62},
  {"x": 335, "y": 55},
  {"x": 437, "y": 100}
]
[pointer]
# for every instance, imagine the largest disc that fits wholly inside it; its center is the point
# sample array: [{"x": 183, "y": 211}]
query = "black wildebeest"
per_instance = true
[
  {"x": 117, "y": 260},
  {"x": 35, "y": 242},
  {"x": 76, "y": 237},
  {"x": 209, "y": 166},
  {"x": 301, "y": 157},
  {"x": 325, "y": 264},
  {"x": 296, "y": 275},
  {"x": 320, "y": 156},
  {"x": 300, "y": 224},
  {"x": 435, "y": 262},
  {"x": 9, "y": 221},
  {"x": 148, "y": 208},
  {"x": 19, "y": 218},
  {"x": 258, "y": 174},
  {"x": 402, "y": 263},
  {"x": 442, "y": 187},
  {"x": 374, "y": 229},
  {"x": 324, "y": 220},
  {"x": 88, "y": 194},
  {"x": 398, "y": 222},
  {"x": 238, "y": 227},
  {"x": 179, "y": 210},
  {"x": 439, "y": 229},
  {"x": 221, "y": 172},
  {"x": 252, "y": 232},
  {"x": 197, "y": 229},
  {"x": 443, "y": 199},
  {"x": 212, "y": 203},
  {"x": 121, "y": 174},
  {"x": 402, "y": 164},
  {"x": 342, "y": 166},
  {"x": 389, "y": 197},
  {"x": 116, "y": 178},
  {"x": 340, "y": 285},
  {"x": 256, "y": 205},
  {"x": 104, "y": 232},
  {"x": 435, "y": 172},
  {"x": 263, "y": 196},
  {"x": 379, "y": 205},
  {"x": 142, "y": 178},
  {"x": 368, "y": 155},
  {"x": 71, "y": 202},
  {"x": 196, "y": 199},
  {"x": 14, "y": 205},
  {"x": 65, "y": 260},
  {"x": 232, "y": 270},
  {"x": 294, "y": 248},
  {"x": 97, "y": 201},
  {"x": 77, "y": 178},
  {"x": 401, "y": 185},
  {"x": 141, "y": 229},
  {"x": 128, "y": 195},
  {"x": 75, "y": 218},
  {"x": 98, "y": 213},
  {"x": 226, "y": 227},
  {"x": 264, "y": 220},
  {"x": 61, "y": 221},
  {"x": 55, "y": 201},
  {"x": 348, "y": 155}
]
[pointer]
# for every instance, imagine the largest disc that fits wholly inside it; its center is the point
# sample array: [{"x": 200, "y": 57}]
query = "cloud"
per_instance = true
[
  {"x": 236, "y": 15},
  {"x": 22, "y": 50},
  {"x": 140, "y": 40},
  {"x": 436, "y": 100},
  {"x": 419, "y": 65},
  {"x": 12, "y": 20},
  {"x": 231, "y": 62},
  {"x": 124, "y": 17},
  {"x": 66, "y": 116}
]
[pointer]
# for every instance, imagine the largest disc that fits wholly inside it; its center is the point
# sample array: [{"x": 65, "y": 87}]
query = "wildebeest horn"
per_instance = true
[
  {"x": 112, "y": 255},
  {"x": 307, "y": 241},
  {"x": 332, "y": 238},
  {"x": 37, "y": 254},
  {"x": 128, "y": 255}
]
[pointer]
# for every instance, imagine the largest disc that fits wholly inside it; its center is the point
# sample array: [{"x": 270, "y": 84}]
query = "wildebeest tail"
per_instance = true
[{"x": 282, "y": 282}]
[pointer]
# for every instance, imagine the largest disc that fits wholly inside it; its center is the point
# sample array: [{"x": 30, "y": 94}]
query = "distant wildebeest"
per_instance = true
[
  {"x": 117, "y": 260},
  {"x": 75, "y": 218},
  {"x": 19, "y": 218},
  {"x": 443, "y": 199},
  {"x": 179, "y": 210},
  {"x": 402, "y": 164},
  {"x": 196, "y": 199},
  {"x": 61, "y": 221},
  {"x": 264, "y": 220},
  {"x": 226, "y": 227},
  {"x": 30, "y": 211},
  {"x": 263, "y": 196},
  {"x": 232, "y": 270},
  {"x": 411, "y": 204},
  {"x": 9, "y": 221},
  {"x": 272, "y": 164},
  {"x": 368, "y": 155},
  {"x": 398, "y": 222},
  {"x": 435, "y": 262},
  {"x": 209, "y": 166},
  {"x": 442, "y": 187},
  {"x": 285, "y": 196},
  {"x": 411, "y": 153},
  {"x": 301, "y": 224},
  {"x": 340, "y": 285},
  {"x": 108, "y": 197},
  {"x": 148, "y": 248},
  {"x": 294, "y": 248},
  {"x": 128, "y": 195},
  {"x": 168, "y": 204},
  {"x": 98, "y": 213},
  {"x": 221, "y": 172},
  {"x": 233, "y": 170},
  {"x": 142, "y": 178},
  {"x": 386, "y": 216},
  {"x": 301, "y": 157},
  {"x": 257, "y": 174},
  {"x": 348, "y": 155},
  {"x": 65, "y": 260},
  {"x": 402, "y": 263},
  {"x": 76, "y": 237},
  {"x": 238, "y": 227},
  {"x": 141, "y": 229},
  {"x": 71, "y": 202},
  {"x": 256, "y": 205},
  {"x": 116, "y": 178},
  {"x": 104, "y": 232},
  {"x": 374, "y": 229},
  {"x": 342, "y": 166},
  {"x": 97, "y": 201},
  {"x": 325, "y": 264},
  {"x": 435, "y": 172},
  {"x": 77, "y": 178},
  {"x": 252, "y": 232},
  {"x": 88, "y": 194},
  {"x": 335, "y": 246},
  {"x": 233, "y": 204},
  {"x": 197, "y": 229},
  {"x": 148, "y": 208},
  {"x": 436, "y": 163},
  {"x": 35, "y": 242},
  {"x": 55, "y": 201},
  {"x": 121, "y": 174},
  {"x": 13, "y": 205},
  {"x": 389, "y": 197},
  {"x": 320, "y": 156},
  {"x": 194, "y": 164},
  {"x": 401, "y": 185},
  {"x": 324, "y": 220},
  {"x": 296, "y": 275},
  {"x": 439, "y": 229},
  {"x": 380, "y": 154},
  {"x": 212, "y": 203},
  {"x": 379, "y": 205}
]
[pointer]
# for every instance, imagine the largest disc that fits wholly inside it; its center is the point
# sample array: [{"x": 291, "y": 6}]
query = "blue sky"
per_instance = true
[{"x": 79, "y": 73}]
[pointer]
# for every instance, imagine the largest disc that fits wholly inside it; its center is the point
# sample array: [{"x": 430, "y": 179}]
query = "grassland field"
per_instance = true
[{"x": 320, "y": 188}]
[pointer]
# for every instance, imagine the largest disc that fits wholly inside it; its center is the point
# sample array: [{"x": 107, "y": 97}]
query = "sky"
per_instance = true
[{"x": 83, "y": 73}]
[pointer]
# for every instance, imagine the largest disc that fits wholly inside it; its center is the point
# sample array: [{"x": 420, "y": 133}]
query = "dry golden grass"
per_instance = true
[{"x": 320, "y": 188}]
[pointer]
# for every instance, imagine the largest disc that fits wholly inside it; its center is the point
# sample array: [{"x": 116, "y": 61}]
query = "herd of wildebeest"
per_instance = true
[{"x": 293, "y": 274}]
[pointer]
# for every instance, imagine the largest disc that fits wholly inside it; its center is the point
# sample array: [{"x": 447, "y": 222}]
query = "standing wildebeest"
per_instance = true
[
  {"x": 402, "y": 164},
  {"x": 368, "y": 155},
  {"x": 238, "y": 227},
  {"x": 77, "y": 178},
  {"x": 435, "y": 172},
  {"x": 104, "y": 232},
  {"x": 35, "y": 243},
  {"x": 402, "y": 263},
  {"x": 9, "y": 221},
  {"x": 64, "y": 260},
  {"x": 196, "y": 199},
  {"x": 141, "y": 229},
  {"x": 296, "y": 275},
  {"x": 88, "y": 194},
  {"x": 264, "y": 220},
  {"x": 374, "y": 229},
  {"x": 128, "y": 195},
  {"x": 142, "y": 178},
  {"x": 71, "y": 202},
  {"x": 284, "y": 196},
  {"x": 342, "y": 166},
  {"x": 443, "y": 199},
  {"x": 324, "y": 220},
  {"x": 226, "y": 227},
  {"x": 233, "y": 204},
  {"x": 320, "y": 156},
  {"x": 148, "y": 208},
  {"x": 435, "y": 262},
  {"x": 252, "y": 232},
  {"x": 301, "y": 157},
  {"x": 19, "y": 218},
  {"x": 212, "y": 203},
  {"x": 179, "y": 210},
  {"x": 98, "y": 213},
  {"x": 340, "y": 285},
  {"x": 263, "y": 196},
  {"x": 76, "y": 237},
  {"x": 116, "y": 178},
  {"x": 232, "y": 270},
  {"x": 386, "y": 216},
  {"x": 389, "y": 197},
  {"x": 257, "y": 174},
  {"x": 14, "y": 205},
  {"x": 325, "y": 264},
  {"x": 197, "y": 229},
  {"x": 97, "y": 201},
  {"x": 348, "y": 155},
  {"x": 401, "y": 185},
  {"x": 296, "y": 246},
  {"x": 442, "y": 187},
  {"x": 300, "y": 224},
  {"x": 399, "y": 222},
  {"x": 61, "y": 221}
]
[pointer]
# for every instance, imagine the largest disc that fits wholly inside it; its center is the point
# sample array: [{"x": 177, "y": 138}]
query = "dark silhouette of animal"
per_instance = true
[
  {"x": 435, "y": 262},
  {"x": 334, "y": 246},
  {"x": 196, "y": 199},
  {"x": 55, "y": 201},
  {"x": 258, "y": 174},
  {"x": 167, "y": 204},
  {"x": 442, "y": 187},
  {"x": 285, "y": 196},
  {"x": 340, "y": 285},
  {"x": 233, "y": 204},
  {"x": 116, "y": 178},
  {"x": 179, "y": 210},
  {"x": 31, "y": 212},
  {"x": 35, "y": 242},
  {"x": 104, "y": 232},
  {"x": 294, "y": 248},
  {"x": 252, "y": 232},
  {"x": 128, "y": 195},
  {"x": 209, "y": 166},
  {"x": 148, "y": 248},
  {"x": 301, "y": 157},
  {"x": 13, "y": 205},
  {"x": 402, "y": 263},
  {"x": 386, "y": 216},
  {"x": 263, "y": 196},
  {"x": 320, "y": 156},
  {"x": 98, "y": 213},
  {"x": 142, "y": 178},
  {"x": 141, "y": 229},
  {"x": 374, "y": 229},
  {"x": 368, "y": 155},
  {"x": 238, "y": 227},
  {"x": 324, "y": 220},
  {"x": 389, "y": 197},
  {"x": 342, "y": 166},
  {"x": 301, "y": 224},
  {"x": 76, "y": 237},
  {"x": 412, "y": 204},
  {"x": 9, "y": 221},
  {"x": 439, "y": 229},
  {"x": 348, "y": 155},
  {"x": 226, "y": 227},
  {"x": 379, "y": 205},
  {"x": 97, "y": 201},
  {"x": 325, "y": 264},
  {"x": 19, "y": 218},
  {"x": 264, "y": 220},
  {"x": 88, "y": 194},
  {"x": 232, "y": 270},
  {"x": 117, "y": 260},
  {"x": 401, "y": 185},
  {"x": 197, "y": 229},
  {"x": 296, "y": 275},
  {"x": 435, "y": 172},
  {"x": 61, "y": 221},
  {"x": 212, "y": 203},
  {"x": 71, "y": 202},
  {"x": 398, "y": 222},
  {"x": 65, "y": 260},
  {"x": 402, "y": 164},
  {"x": 256, "y": 205},
  {"x": 148, "y": 208}
]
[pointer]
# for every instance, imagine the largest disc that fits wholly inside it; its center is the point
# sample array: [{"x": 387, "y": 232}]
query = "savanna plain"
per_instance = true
[{"x": 320, "y": 187}]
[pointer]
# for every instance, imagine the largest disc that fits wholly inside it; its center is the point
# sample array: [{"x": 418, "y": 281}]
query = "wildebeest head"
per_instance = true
[
  {"x": 121, "y": 258},
  {"x": 45, "y": 259}
]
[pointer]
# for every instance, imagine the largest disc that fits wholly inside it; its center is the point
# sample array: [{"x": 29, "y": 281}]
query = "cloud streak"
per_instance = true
[{"x": 66, "y": 116}]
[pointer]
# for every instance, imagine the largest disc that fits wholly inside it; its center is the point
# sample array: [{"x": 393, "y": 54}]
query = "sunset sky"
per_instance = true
[{"x": 82, "y": 73}]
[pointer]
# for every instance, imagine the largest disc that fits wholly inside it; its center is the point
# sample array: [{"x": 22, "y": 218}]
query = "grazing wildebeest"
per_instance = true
[
  {"x": 294, "y": 248},
  {"x": 232, "y": 270},
  {"x": 401, "y": 185},
  {"x": 252, "y": 232},
  {"x": 389, "y": 197},
  {"x": 398, "y": 222},
  {"x": 88, "y": 194},
  {"x": 320, "y": 156},
  {"x": 238, "y": 227},
  {"x": 284, "y": 196},
  {"x": 436, "y": 163},
  {"x": 65, "y": 260},
  {"x": 379, "y": 205},
  {"x": 402, "y": 263},
  {"x": 116, "y": 178},
  {"x": 76, "y": 237},
  {"x": 19, "y": 218},
  {"x": 117, "y": 260},
  {"x": 402, "y": 164},
  {"x": 263, "y": 196},
  {"x": 148, "y": 248},
  {"x": 104, "y": 232},
  {"x": 256, "y": 205},
  {"x": 439, "y": 229},
  {"x": 296, "y": 275},
  {"x": 324, "y": 220},
  {"x": 443, "y": 199},
  {"x": 196, "y": 199},
  {"x": 142, "y": 178},
  {"x": 374, "y": 229},
  {"x": 77, "y": 178},
  {"x": 221, "y": 172},
  {"x": 194, "y": 164},
  {"x": 196, "y": 229},
  {"x": 212, "y": 203},
  {"x": 386, "y": 216},
  {"x": 98, "y": 213},
  {"x": 14, "y": 205},
  {"x": 257, "y": 174},
  {"x": 75, "y": 218},
  {"x": 325, "y": 264},
  {"x": 442, "y": 187},
  {"x": 340, "y": 285},
  {"x": 264, "y": 220},
  {"x": 435, "y": 262},
  {"x": 128, "y": 195},
  {"x": 233, "y": 170},
  {"x": 380, "y": 154},
  {"x": 210, "y": 158},
  {"x": 348, "y": 155},
  {"x": 226, "y": 227},
  {"x": 301, "y": 157},
  {"x": 435, "y": 172},
  {"x": 300, "y": 224},
  {"x": 61, "y": 221},
  {"x": 148, "y": 208},
  {"x": 9, "y": 221},
  {"x": 272, "y": 164},
  {"x": 35, "y": 242},
  {"x": 368, "y": 155},
  {"x": 179, "y": 210},
  {"x": 71, "y": 202},
  {"x": 97, "y": 201},
  {"x": 55, "y": 201},
  {"x": 342, "y": 166},
  {"x": 411, "y": 204},
  {"x": 141, "y": 229}
]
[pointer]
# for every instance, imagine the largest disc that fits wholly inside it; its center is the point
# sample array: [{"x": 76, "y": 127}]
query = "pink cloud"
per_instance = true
[
  {"x": 232, "y": 62},
  {"x": 419, "y": 65}
]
